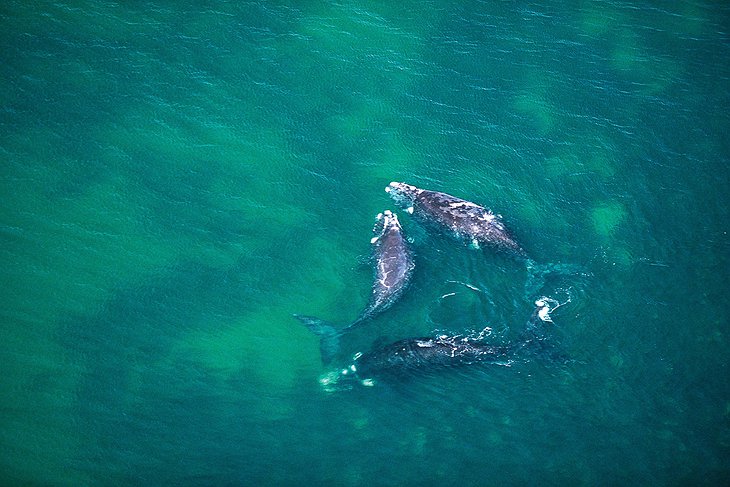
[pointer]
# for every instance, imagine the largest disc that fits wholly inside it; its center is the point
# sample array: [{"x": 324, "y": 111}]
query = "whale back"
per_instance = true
[{"x": 465, "y": 220}]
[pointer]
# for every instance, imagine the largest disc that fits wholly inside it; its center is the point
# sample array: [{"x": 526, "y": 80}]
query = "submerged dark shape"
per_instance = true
[
  {"x": 393, "y": 269},
  {"x": 468, "y": 221},
  {"x": 427, "y": 353}
]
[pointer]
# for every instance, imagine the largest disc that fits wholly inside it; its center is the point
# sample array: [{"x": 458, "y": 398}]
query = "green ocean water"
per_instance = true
[{"x": 179, "y": 178}]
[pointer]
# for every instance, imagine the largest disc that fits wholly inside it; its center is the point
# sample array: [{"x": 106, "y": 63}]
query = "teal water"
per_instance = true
[{"x": 179, "y": 178}]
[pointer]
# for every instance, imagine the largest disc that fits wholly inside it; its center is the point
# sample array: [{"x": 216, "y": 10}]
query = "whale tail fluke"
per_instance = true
[
  {"x": 329, "y": 338},
  {"x": 536, "y": 274}
]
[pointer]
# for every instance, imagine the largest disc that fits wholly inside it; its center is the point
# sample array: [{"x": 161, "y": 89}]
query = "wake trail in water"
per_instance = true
[{"x": 537, "y": 274}]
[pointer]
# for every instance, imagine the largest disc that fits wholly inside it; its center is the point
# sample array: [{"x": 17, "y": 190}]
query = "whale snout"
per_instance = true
[
  {"x": 400, "y": 187},
  {"x": 401, "y": 192},
  {"x": 385, "y": 222},
  {"x": 391, "y": 219}
]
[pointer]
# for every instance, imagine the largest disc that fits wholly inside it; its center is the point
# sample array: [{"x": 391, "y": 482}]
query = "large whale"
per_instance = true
[
  {"x": 474, "y": 225},
  {"x": 469, "y": 222},
  {"x": 394, "y": 266},
  {"x": 411, "y": 355}
]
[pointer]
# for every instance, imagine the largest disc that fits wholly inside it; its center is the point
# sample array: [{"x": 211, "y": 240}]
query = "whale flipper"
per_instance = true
[{"x": 329, "y": 337}]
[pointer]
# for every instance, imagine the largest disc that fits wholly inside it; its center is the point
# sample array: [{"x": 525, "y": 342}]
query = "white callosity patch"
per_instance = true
[
  {"x": 400, "y": 187},
  {"x": 402, "y": 192},
  {"x": 385, "y": 222}
]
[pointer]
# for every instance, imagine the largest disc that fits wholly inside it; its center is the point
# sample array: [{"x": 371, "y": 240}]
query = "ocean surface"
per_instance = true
[{"x": 179, "y": 178}]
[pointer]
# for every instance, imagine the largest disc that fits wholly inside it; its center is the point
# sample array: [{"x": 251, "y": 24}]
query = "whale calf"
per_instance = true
[
  {"x": 394, "y": 267},
  {"x": 399, "y": 358}
]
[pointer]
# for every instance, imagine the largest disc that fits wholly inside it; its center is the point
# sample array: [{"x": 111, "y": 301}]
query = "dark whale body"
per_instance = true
[
  {"x": 475, "y": 225},
  {"x": 427, "y": 353},
  {"x": 469, "y": 222},
  {"x": 394, "y": 267}
]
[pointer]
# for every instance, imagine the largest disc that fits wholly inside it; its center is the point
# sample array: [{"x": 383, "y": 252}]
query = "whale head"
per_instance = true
[
  {"x": 345, "y": 378},
  {"x": 385, "y": 222},
  {"x": 402, "y": 193}
]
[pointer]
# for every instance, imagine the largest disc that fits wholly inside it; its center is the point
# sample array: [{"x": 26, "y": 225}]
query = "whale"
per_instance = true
[
  {"x": 407, "y": 357},
  {"x": 474, "y": 225},
  {"x": 469, "y": 222},
  {"x": 393, "y": 268}
]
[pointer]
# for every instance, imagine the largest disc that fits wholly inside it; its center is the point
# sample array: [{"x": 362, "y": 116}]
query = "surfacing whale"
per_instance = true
[
  {"x": 467, "y": 221},
  {"x": 394, "y": 267},
  {"x": 472, "y": 224},
  {"x": 403, "y": 357}
]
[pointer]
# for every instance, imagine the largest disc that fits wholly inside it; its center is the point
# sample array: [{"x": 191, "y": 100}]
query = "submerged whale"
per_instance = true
[
  {"x": 426, "y": 353},
  {"x": 469, "y": 222},
  {"x": 394, "y": 267}
]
